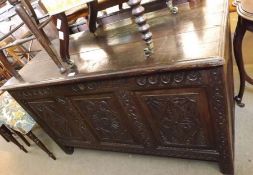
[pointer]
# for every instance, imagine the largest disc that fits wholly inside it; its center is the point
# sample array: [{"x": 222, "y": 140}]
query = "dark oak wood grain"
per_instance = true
[{"x": 177, "y": 103}]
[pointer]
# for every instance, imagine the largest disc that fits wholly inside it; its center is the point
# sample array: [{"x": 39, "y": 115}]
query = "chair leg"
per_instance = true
[
  {"x": 40, "y": 144},
  {"x": 22, "y": 137},
  {"x": 8, "y": 134}
]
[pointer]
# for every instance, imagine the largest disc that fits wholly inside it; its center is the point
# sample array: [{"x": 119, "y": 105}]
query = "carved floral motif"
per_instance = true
[
  {"x": 49, "y": 114},
  {"x": 102, "y": 115},
  {"x": 33, "y": 92},
  {"x": 221, "y": 121},
  {"x": 105, "y": 119},
  {"x": 178, "y": 119},
  {"x": 84, "y": 86},
  {"x": 72, "y": 115}
]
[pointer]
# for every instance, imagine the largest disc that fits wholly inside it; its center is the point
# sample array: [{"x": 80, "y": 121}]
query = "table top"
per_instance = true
[
  {"x": 58, "y": 6},
  {"x": 245, "y": 9},
  {"x": 195, "y": 38}
]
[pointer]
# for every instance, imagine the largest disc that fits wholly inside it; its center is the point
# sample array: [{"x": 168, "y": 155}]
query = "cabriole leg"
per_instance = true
[{"x": 237, "y": 44}]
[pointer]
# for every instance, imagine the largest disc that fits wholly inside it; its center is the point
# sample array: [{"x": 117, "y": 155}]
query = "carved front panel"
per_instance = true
[
  {"x": 169, "y": 114},
  {"x": 177, "y": 118},
  {"x": 49, "y": 112},
  {"x": 105, "y": 117}
]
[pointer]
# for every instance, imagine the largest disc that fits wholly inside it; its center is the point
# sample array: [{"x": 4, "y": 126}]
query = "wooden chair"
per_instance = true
[
  {"x": 71, "y": 15},
  {"x": 38, "y": 24},
  {"x": 18, "y": 55},
  {"x": 26, "y": 12},
  {"x": 16, "y": 52},
  {"x": 91, "y": 11},
  {"x": 83, "y": 10}
]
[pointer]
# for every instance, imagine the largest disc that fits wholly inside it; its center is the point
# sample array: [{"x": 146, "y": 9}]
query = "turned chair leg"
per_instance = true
[
  {"x": 237, "y": 44},
  {"x": 8, "y": 134},
  {"x": 22, "y": 137},
  {"x": 40, "y": 144}
]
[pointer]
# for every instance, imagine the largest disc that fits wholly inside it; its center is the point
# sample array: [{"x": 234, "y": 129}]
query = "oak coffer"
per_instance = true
[{"x": 179, "y": 102}]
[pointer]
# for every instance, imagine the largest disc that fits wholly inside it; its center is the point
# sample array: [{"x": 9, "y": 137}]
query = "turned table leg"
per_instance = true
[
  {"x": 144, "y": 28},
  {"x": 8, "y": 135},
  {"x": 237, "y": 44},
  {"x": 40, "y": 144}
]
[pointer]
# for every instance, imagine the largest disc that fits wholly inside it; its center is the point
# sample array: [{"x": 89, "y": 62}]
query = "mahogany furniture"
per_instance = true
[
  {"x": 178, "y": 103},
  {"x": 245, "y": 23}
]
